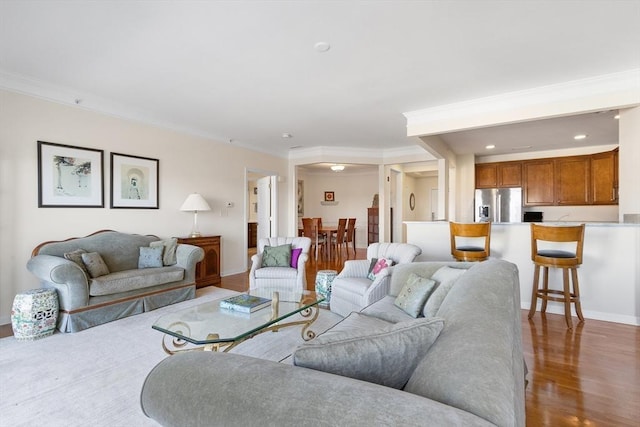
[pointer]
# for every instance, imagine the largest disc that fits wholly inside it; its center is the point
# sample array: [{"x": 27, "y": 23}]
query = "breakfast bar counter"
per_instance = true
[{"x": 609, "y": 275}]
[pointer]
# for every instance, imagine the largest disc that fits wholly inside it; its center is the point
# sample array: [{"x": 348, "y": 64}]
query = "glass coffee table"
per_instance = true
[{"x": 211, "y": 328}]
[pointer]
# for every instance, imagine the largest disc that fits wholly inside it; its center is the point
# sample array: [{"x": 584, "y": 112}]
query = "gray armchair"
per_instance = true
[
  {"x": 352, "y": 290},
  {"x": 287, "y": 278}
]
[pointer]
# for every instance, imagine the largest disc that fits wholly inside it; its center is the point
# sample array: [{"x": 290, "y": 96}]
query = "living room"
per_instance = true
[{"x": 195, "y": 159}]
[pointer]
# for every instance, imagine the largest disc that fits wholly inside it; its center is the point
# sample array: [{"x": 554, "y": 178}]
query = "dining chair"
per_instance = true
[
  {"x": 339, "y": 238},
  {"x": 351, "y": 235},
  {"x": 310, "y": 229}
]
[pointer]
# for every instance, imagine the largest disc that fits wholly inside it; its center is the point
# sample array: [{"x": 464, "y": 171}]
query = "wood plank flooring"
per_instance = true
[{"x": 586, "y": 377}]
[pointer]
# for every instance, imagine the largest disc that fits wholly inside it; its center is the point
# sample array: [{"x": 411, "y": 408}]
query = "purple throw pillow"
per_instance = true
[{"x": 295, "y": 254}]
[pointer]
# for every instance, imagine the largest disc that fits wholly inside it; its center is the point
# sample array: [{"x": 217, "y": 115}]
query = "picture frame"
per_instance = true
[
  {"x": 329, "y": 196},
  {"x": 300, "y": 198},
  {"x": 70, "y": 176},
  {"x": 134, "y": 182}
]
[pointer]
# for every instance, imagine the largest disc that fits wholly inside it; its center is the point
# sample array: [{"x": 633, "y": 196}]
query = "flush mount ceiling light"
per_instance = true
[
  {"x": 287, "y": 135},
  {"x": 322, "y": 47},
  {"x": 490, "y": 147},
  {"x": 580, "y": 136},
  {"x": 617, "y": 116},
  {"x": 337, "y": 168}
]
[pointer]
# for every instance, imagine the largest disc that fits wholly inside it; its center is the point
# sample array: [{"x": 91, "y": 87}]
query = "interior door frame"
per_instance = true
[{"x": 249, "y": 175}]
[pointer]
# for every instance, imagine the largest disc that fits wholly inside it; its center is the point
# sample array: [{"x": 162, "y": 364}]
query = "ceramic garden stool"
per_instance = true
[
  {"x": 34, "y": 314},
  {"x": 324, "y": 278}
]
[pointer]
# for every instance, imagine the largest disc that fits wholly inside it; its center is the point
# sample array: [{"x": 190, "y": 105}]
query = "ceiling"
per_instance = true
[{"x": 245, "y": 72}]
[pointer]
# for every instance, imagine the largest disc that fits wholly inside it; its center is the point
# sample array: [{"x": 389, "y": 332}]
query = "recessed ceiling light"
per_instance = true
[
  {"x": 617, "y": 116},
  {"x": 287, "y": 135},
  {"x": 337, "y": 168},
  {"x": 580, "y": 136},
  {"x": 490, "y": 147},
  {"x": 322, "y": 47}
]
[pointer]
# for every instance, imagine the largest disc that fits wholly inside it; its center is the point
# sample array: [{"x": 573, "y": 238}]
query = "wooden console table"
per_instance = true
[{"x": 207, "y": 270}]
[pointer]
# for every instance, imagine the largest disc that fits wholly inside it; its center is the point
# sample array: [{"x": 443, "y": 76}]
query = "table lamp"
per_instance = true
[{"x": 194, "y": 203}]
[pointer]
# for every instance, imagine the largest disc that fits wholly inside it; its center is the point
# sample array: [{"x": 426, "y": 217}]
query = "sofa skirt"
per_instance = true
[{"x": 103, "y": 313}]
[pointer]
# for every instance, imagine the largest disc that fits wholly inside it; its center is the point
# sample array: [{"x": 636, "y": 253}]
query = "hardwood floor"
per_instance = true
[{"x": 586, "y": 377}]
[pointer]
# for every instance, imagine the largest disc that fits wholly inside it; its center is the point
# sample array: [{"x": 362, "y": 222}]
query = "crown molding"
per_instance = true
[{"x": 610, "y": 91}]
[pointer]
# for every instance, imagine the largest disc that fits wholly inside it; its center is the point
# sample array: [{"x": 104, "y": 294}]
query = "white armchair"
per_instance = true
[
  {"x": 285, "y": 278},
  {"x": 351, "y": 290}
]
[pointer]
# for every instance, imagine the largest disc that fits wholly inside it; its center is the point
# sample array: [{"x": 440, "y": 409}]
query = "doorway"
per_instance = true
[{"x": 261, "y": 213}]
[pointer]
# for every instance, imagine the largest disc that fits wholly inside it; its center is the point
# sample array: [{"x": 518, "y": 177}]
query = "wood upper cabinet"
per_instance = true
[
  {"x": 498, "y": 175},
  {"x": 604, "y": 178},
  {"x": 538, "y": 182},
  {"x": 572, "y": 180}
]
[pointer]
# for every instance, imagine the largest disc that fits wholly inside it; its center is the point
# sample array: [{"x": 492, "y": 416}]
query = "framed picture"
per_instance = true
[
  {"x": 300, "y": 198},
  {"x": 69, "y": 177},
  {"x": 134, "y": 182},
  {"x": 329, "y": 196}
]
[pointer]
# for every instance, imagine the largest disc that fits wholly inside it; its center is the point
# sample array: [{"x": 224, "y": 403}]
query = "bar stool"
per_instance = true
[
  {"x": 557, "y": 258},
  {"x": 470, "y": 252}
]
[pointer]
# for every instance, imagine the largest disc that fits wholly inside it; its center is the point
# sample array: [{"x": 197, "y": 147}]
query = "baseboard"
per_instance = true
[{"x": 588, "y": 314}]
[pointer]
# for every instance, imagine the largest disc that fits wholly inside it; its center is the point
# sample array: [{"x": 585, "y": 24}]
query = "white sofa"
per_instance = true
[{"x": 351, "y": 290}]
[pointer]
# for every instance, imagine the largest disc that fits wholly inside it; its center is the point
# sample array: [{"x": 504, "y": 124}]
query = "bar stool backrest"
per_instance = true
[
  {"x": 557, "y": 234},
  {"x": 471, "y": 230}
]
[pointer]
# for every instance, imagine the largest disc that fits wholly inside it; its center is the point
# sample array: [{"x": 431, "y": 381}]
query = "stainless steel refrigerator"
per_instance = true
[{"x": 498, "y": 205}]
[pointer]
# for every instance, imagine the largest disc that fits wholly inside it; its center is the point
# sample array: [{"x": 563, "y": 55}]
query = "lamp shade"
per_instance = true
[{"x": 194, "y": 203}]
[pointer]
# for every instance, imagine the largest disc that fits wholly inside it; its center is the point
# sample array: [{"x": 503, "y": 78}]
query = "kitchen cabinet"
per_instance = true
[
  {"x": 538, "y": 179},
  {"x": 499, "y": 175},
  {"x": 207, "y": 270},
  {"x": 572, "y": 180},
  {"x": 604, "y": 178}
]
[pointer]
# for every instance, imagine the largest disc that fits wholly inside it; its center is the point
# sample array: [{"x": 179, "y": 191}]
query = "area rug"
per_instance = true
[{"x": 94, "y": 377}]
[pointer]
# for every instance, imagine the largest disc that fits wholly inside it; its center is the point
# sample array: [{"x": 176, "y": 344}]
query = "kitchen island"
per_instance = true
[{"x": 609, "y": 275}]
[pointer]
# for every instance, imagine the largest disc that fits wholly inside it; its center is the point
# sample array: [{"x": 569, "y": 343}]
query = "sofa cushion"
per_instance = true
[
  {"x": 446, "y": 277},
  {"x": 386, "y": 309},
  {"x": 414, "y": 294},
  {"x": 169, "y": 253},
  {"x": 276, "y": 273},
  {"x": 371, "y": 350},
  {"x": 95, "y": 264},
  {"x": 129, "y": 280},
  {"x": 150, "y": 257},
  {"x": 276, "y": 256},
  {"x": 76, "y": 256}
]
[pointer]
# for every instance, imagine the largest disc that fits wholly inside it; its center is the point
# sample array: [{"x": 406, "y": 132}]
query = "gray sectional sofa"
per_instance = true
[
  {"x": 471, "y": 375},
  {"x": 125, "y": 290}
]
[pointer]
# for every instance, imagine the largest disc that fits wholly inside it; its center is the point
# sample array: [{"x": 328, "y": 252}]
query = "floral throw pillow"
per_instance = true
[
  {"x": 380, "y": 265},
  {"x": 414, "y": 294},
  {"x": 276, "y": 256},
  {"x": 95, "y": 264}
]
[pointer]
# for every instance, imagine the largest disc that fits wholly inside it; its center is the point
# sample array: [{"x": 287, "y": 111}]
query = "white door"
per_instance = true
[{"x": 264, "y": 207}]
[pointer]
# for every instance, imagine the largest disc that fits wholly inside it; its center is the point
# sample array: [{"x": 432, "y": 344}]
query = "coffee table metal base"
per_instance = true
[{"x": 177, "y": 345}]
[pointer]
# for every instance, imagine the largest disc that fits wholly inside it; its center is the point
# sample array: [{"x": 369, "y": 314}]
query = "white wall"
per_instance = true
[{"x": 186, "y": 164}]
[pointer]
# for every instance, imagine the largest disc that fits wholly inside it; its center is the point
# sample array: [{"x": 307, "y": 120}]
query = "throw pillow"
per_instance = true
[
  {"x": 446, "y": 278},
  {"x": 371, "y": 265},
  {"x": 414, "y": 294},
  {"x": 386, "y": 355},
  {"x": 380, "y": 265},
  {"x": 150, "y": 257},
  {"x": 276, "y": 256},
  {"x": 295, "y": 254},
  {"x": 76, "y": 256},
  {"x": 95, "y": 264},
  {"x": 169, "y": 254}
]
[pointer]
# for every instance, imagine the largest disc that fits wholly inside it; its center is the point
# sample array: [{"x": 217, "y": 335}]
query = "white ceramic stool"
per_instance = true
[
  {"x": 34, "y": 314},
  {"x": 324, "y": 278}
]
